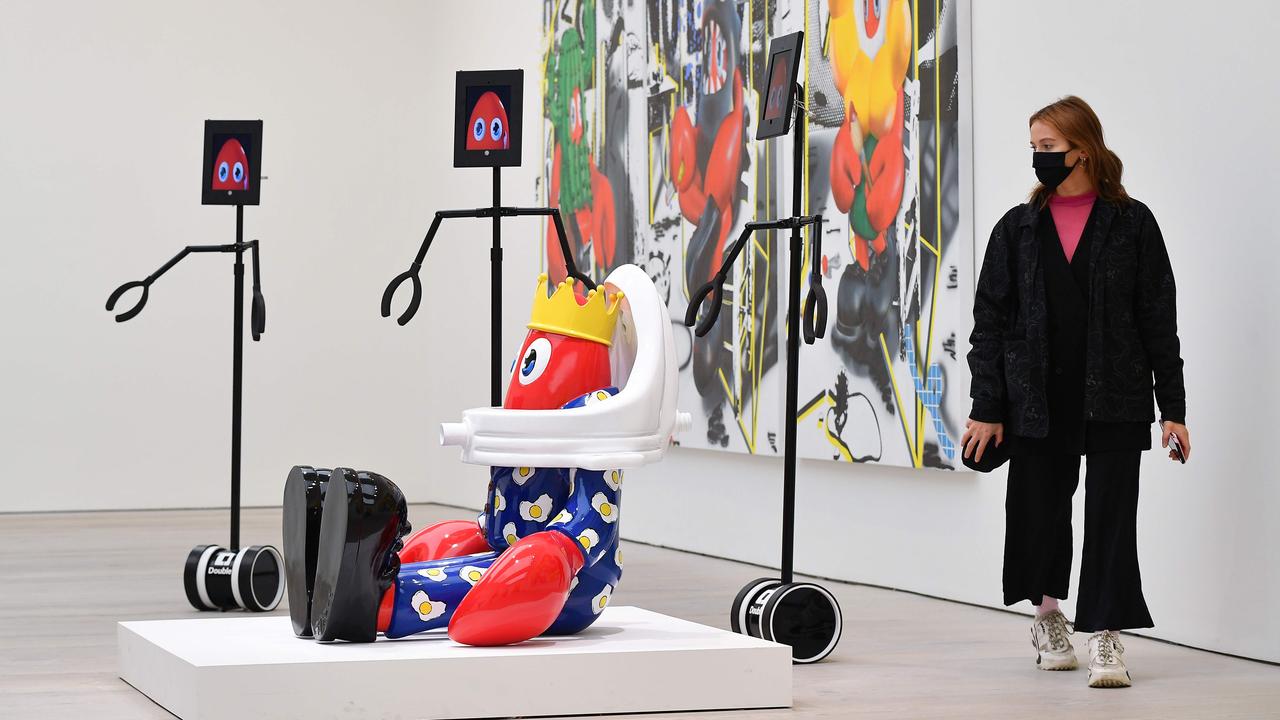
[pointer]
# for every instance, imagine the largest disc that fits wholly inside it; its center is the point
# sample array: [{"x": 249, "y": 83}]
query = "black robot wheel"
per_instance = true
[
  {"x": 744, "y": 601},
  {"x": 804, "y": 616},
  {"x": 216, "y": 578}
]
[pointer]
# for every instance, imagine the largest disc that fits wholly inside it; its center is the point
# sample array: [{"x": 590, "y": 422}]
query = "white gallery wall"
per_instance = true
[
  {"x": 100, "y": 151},
  {"x": 104, "y": 105}
]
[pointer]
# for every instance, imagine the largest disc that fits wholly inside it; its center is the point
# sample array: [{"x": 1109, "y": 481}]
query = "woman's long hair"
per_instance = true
[{"x": 1080, "y": 127}]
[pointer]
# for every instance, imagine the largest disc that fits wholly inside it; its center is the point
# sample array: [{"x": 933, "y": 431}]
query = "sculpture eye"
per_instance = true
[
  {"x": 237, "y": 172},
  {"x": 495, "y": 129},
  {"x": 477, "y": 130},
  {"x": 536, "y": 358},
  {"x": 222, "y": 171}
]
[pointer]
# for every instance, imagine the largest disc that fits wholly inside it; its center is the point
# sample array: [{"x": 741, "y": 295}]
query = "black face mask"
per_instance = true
[{"x": 1051, "y": 168}]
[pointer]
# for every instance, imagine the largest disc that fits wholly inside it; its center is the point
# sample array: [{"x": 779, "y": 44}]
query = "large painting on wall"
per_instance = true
[
  {"x": 649, "y": 109},
  {"x": 889, "y": 383}
]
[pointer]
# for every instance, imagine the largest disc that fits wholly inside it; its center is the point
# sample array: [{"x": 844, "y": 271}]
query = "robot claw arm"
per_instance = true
[
  {"x": 416, "y": 266},
  {"x": 145, "y": 283},
  {"x": 815, "y": 315},
  {"x": 258, "y": 310},
  {"x": 716, "y": 287},
  {"x": 813, "y": 323},
  {"x": 412, "y": 274}
]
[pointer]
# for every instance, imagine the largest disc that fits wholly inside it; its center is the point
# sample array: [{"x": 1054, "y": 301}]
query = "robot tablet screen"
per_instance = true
[
  {"x": 775, "y": 113},
  {"x": 487, "y": 118},
  {"x": 232, "y": 159},
  {"x": 775, "y": 100}
]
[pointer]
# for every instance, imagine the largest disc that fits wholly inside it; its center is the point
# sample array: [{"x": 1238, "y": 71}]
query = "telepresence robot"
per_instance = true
[
  {"x": 216, "y": 577},
  {"x": 487, "y": 134},
  {"x": 804, "y": 616}
]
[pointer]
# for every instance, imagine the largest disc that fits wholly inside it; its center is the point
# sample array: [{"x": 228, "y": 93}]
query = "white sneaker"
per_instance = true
[
  {"x": 1050, "y": 634},
  {"x": 1106, "y": 661}
]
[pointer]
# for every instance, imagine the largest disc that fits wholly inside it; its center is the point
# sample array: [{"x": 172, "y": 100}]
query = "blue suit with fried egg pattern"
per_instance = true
[
  {"x": 522, "y": 501},
  {"x": 590, "y": 517}
]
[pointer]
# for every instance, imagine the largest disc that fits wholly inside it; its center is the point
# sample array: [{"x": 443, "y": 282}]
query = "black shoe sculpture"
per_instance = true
[
  {"x": 304, "y": 492},
  {"x": 356, "y": 561}
]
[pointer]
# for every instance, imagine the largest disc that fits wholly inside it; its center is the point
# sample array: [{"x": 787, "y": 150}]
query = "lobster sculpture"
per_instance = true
[{"x": 592, "y": 394}]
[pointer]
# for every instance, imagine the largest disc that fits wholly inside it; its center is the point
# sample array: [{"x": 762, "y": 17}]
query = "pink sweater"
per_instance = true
[{"x": 1069, "y": 216}]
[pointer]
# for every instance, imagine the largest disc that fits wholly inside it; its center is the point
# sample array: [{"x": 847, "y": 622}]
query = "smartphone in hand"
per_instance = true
[{"x": 1176, "y": 446}]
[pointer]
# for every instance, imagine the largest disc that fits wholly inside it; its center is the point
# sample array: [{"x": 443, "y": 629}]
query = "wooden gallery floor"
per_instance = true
[{"x": 67, "y": 579}]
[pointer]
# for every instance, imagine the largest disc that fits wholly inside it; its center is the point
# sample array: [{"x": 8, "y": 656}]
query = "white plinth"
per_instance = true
[{"x": 631, "y": 660}]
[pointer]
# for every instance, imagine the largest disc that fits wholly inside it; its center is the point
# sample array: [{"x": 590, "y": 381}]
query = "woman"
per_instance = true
[{"x": 1073, "y": 318}]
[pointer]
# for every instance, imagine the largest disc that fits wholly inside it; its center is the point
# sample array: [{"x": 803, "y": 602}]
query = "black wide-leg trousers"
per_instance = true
[{"x": 1037, "y": 545}]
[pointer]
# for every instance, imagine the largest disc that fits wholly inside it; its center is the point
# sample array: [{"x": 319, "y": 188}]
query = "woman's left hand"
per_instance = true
[{"x": 1184, "y": 438}]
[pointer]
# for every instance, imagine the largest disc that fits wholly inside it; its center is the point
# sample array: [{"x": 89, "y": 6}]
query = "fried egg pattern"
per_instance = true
[
  {"x": 426, "y": 608},
  {"x": 605, "y": 509},
  {"x": 435, "y": 573},
  {"x": 589, "y": 539},
  {"x": 471, "y": 574},
  {"x": 601, "y": 601},
  {"x": 537, "y": 511}
]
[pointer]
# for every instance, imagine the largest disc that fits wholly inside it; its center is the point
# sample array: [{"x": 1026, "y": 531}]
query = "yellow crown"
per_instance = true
[{"x": 562, "y": 314}]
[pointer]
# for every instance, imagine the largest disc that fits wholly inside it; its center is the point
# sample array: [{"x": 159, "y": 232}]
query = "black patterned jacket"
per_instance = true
[{"x": 1133, "y": 327}]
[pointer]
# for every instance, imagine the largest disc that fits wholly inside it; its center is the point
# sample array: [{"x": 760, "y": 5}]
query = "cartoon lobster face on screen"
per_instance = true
[
  {"x": 489, "y": 129},
  {"x": 231, "y": 167}
]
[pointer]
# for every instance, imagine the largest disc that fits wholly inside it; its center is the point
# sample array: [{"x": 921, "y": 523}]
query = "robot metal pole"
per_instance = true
[
  {"x": 237, "y": 359},
  {"x": 495, "y": 326},
  {"x": 793, "y": 351}
]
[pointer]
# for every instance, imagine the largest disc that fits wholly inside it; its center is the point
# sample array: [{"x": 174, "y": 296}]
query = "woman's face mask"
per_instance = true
[
  {"x": 1050, "y": 153},
  {"x": 1051, "y": 168}
]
